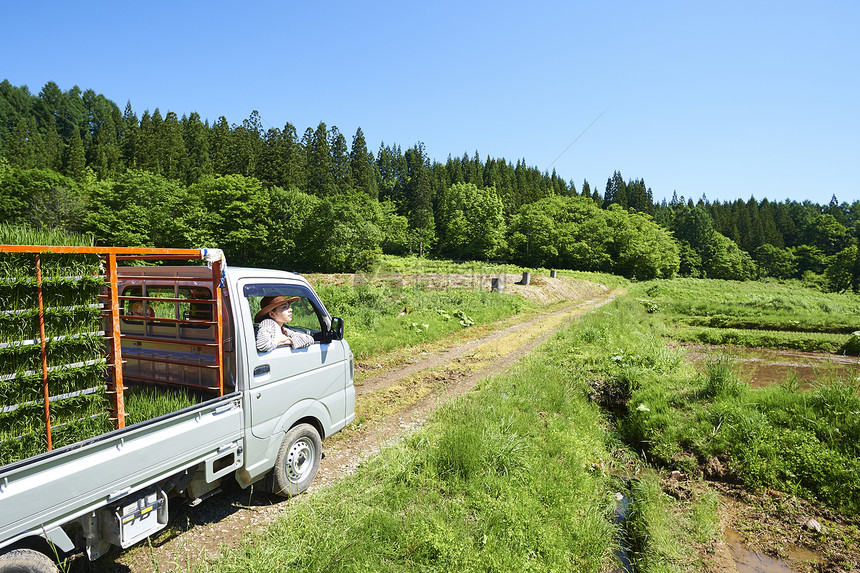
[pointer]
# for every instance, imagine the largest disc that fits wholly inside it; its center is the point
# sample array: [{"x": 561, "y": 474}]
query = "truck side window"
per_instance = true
[{"x": 307, "y": 317}]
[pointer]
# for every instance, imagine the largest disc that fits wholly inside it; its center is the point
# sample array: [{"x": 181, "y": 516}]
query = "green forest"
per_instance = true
[{"x": 317, "y": 202}]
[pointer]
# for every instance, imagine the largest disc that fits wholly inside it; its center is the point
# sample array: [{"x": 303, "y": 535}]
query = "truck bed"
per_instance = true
[{"x": 80, "y": 478}]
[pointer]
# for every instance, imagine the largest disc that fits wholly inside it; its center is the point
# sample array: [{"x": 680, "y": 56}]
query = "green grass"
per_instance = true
[
  {"x": 754, "y": 314},
  {"x": 744, "y": 305},
  {"x": 508, "y": 478},
  {"x": 519, "y": 475},
  {"x": 380, "y": 316},
  {"x": 383, "y": 318},
  {"x": 664, "y": 529},
  {"x": 394, "y": 264},
  {"x": 777, "y": 437},
  {"x": 413, "y": 264},
  {"x": 804, "y": 341}
]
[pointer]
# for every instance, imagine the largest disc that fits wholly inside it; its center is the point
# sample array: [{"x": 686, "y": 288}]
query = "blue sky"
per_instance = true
[{"x": 728, "y": 100}]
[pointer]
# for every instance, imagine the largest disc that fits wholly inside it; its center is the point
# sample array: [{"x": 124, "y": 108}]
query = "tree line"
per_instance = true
[{"x": 316, "y": 201}]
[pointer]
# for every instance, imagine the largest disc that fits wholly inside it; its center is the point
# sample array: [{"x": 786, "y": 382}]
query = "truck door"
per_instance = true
[{"x": 295, "y": 382}]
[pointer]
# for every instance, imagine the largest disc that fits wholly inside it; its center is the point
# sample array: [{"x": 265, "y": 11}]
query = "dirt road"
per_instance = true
[{"x": 392, "y": 398}]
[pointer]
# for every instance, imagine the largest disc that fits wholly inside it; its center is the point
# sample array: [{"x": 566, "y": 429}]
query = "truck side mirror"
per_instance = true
[{"x": 336, "y": 330}]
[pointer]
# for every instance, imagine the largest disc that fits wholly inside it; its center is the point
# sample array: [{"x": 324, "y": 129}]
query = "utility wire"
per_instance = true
[{"x": 576, "y": 139}]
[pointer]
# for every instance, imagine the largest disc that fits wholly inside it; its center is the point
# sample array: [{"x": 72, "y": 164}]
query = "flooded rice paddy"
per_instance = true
[
  {"x": 761, "y": 367},
  {"x": 764, "y": 366}
]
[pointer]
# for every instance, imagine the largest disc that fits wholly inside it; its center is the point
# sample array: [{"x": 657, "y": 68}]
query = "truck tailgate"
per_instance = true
[{"x": 73, "y": 481}]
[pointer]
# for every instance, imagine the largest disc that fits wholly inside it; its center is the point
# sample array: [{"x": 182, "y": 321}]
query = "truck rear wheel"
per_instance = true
[
  {"x": 298, "y": 460},
  {"x": 26, "y": 561}
]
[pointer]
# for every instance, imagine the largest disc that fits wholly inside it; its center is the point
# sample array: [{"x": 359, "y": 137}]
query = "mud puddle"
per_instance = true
[
  {"x": 765, "y": 366},
  {"x": 749, "y": 561}
]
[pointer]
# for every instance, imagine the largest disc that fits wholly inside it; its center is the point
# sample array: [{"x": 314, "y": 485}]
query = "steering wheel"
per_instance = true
[{"x": 306, "y": 305}]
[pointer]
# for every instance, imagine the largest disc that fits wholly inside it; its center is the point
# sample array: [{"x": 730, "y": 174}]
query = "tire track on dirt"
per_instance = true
[{"x": 346, "y": 454}]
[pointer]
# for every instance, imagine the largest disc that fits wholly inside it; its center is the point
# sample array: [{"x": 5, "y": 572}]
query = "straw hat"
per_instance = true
[{"x": 271, "y": 303}]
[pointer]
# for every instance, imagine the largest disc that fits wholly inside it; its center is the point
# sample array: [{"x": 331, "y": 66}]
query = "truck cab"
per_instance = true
[{"x": 289, "y": 386}]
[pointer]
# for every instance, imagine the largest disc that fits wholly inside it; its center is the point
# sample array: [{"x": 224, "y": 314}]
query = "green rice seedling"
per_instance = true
[
  {"x": 21, "y": 447},
  {"x": 73, "y": 349},
  {"x": 81, "y": 429},
  {"x": 18, "y": 326},
  {"x": 24, "y": 419},
  {"x": 72, "y": 315},
  {"x": 25, "y": 383},
  {"x": 16, "y": 294},
  {"x": 21, "y": 386},
  {"x": 72, "y": 290},
  {"x": 79, "y": 406},
  {"x": 23, "y": 235},
  {"x": 67, "y": 380},
  {"x": 63, "y": 321},
  {"x": 147, "y": 402},
  {"x": 17, "y": 356},
  {"x": 70, "y": 423}
]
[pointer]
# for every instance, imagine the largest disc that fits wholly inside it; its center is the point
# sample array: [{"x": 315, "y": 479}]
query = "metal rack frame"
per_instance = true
[{"x": 112, "y": 311}]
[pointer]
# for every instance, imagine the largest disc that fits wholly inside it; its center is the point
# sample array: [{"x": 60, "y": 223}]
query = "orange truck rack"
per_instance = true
[{"x": 112, "y": 310}]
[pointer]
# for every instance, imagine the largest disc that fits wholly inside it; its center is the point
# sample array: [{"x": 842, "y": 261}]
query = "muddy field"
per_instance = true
[
  {"x": 765, "y": 366},
  {"x": 772, "y": 532}
]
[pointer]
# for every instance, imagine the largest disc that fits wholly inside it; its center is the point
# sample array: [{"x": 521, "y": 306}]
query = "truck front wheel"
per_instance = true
[
  {"x": 298, "y": 460},
  {"x": 26, "y": 561}
]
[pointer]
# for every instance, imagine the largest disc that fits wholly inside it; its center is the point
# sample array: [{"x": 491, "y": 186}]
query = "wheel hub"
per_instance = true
[{"x": 299, "y": 460}]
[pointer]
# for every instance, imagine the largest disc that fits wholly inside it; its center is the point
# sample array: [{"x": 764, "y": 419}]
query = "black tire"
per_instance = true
[
  {"x": 26, "y": 561},
  {"x": 298, "y": 460}
]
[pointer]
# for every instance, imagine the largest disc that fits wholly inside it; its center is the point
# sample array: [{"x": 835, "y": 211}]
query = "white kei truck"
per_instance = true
[{"x": 257, "y": 417}]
